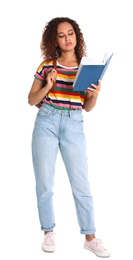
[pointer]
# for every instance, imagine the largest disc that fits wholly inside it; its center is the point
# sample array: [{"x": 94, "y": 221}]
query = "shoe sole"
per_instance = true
[
  {"x": 48, "y": 250},
  {"x": 52, "y": 251},
  {"x": 96, "y": 253}
]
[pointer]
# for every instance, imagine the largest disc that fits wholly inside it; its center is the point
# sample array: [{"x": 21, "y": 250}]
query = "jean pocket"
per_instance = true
[
  {"x": 77, "y": 117},
  {"x": 44, "y": 112}
]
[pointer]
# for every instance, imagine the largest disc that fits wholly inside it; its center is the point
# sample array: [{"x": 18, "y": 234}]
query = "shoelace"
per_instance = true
[
  {"x": 99, "y": 243},
  {"x": 49, "y": 239}
]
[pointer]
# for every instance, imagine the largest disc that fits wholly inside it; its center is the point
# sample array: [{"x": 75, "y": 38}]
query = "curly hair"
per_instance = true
[{"x": 48, "y": 46}]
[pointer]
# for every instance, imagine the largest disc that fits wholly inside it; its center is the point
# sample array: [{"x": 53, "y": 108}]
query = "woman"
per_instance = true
[{"x": 59, "y": 126}]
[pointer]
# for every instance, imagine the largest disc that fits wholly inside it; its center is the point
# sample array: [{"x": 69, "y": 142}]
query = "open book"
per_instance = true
[{"x": 90, "y": 71}]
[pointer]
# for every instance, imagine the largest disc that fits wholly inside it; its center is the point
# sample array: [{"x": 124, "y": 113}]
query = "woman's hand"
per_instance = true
[
  {"x": 38, "y": 91},
  {"x": 91, "y": 96},
  {"x": 94, "y": 89},
  {"x": 51, "y": 78}
]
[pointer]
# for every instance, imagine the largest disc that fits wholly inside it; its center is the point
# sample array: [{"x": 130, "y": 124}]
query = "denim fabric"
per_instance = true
[{"x": 62, "y": 130}]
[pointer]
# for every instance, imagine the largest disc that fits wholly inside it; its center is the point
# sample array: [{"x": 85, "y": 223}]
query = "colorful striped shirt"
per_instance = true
[{"x": 62, "y": 95}]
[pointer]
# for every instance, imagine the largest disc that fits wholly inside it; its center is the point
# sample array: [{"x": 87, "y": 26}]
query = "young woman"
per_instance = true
[{"x": 59, "y": 126}]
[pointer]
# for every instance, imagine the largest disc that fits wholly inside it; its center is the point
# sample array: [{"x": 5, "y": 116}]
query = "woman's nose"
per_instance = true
[{"x": 67, "y": 38}]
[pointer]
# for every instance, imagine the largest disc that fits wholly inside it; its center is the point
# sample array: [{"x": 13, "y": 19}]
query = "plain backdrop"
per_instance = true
[{"x": 107, "y": 27}]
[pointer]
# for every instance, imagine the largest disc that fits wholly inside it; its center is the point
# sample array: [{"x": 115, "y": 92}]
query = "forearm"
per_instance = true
[
  {"x": 36, "y": 97},
  {"x": 90, "y": 103}
]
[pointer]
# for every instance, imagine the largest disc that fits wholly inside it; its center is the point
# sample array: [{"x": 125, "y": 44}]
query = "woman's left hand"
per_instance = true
[{"x": 94, "y": 89}]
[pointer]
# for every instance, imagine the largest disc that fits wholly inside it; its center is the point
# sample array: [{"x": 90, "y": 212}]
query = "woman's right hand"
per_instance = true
[
  {"x": 51, "y": 78},
  {"x": 38, "y": 91}
]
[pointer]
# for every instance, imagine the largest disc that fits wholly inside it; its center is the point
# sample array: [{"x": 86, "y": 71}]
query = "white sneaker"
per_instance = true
[
  {"x": 48, "y": 244},
  {"x": 96, "y": 246}
]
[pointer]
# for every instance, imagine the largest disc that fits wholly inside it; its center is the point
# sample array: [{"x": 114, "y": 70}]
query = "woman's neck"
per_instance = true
[{"x": 68, "y": 60}]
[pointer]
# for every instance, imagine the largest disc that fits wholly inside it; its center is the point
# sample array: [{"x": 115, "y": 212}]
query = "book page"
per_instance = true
[
  {"x": 106, "y": 57},
  {"x": 90, "y": 61}
]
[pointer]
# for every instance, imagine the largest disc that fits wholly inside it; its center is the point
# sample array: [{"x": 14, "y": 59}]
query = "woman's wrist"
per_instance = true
[{"x": 94, "y": 95}]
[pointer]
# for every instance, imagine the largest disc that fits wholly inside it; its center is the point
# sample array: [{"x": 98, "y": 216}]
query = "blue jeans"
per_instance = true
[{"x": 62, "y": 130}]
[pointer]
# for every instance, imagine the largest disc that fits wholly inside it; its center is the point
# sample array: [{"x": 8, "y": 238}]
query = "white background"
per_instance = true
[{"x": 107, "y": 26}]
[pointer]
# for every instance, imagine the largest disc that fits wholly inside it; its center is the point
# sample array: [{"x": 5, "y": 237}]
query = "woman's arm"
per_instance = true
[
  {"x": 91, "y": 96},
  {"x": 38, "y": 92}
]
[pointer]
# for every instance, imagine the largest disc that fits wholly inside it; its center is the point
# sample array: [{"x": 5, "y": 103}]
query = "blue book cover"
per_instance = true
[{"x": 90, "y": 71}]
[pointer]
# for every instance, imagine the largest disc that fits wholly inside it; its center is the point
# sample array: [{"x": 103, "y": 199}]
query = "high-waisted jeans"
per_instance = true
[{"x": 62, "y": 130}]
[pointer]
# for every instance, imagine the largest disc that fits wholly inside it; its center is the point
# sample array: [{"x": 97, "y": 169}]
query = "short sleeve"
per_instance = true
[
  {"x": 43, "y": 69},
  {"x": 40, "y": 72}
]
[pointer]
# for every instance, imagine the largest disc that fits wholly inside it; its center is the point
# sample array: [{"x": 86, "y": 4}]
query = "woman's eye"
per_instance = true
[{"x": 70, "y": 33}]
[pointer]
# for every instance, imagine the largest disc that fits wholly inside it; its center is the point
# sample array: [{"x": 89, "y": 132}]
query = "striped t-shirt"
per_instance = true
[{"x": 62, "y": 96}]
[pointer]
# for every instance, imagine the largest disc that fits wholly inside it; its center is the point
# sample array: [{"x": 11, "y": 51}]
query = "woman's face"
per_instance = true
[{"x": 66, "y": 37}]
